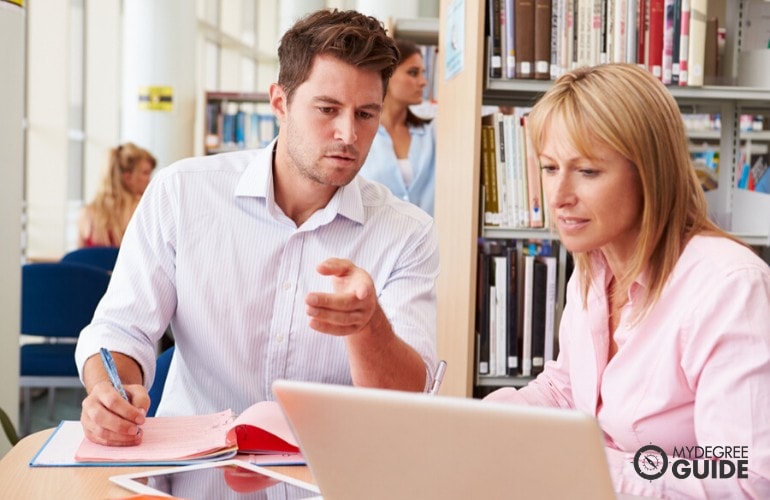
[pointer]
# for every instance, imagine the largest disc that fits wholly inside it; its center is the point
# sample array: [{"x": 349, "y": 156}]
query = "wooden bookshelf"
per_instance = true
[{"x": 225, "y": 131}]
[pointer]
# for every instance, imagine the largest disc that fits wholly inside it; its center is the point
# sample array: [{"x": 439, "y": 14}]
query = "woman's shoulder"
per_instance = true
[{"x": 720, "y": 256}]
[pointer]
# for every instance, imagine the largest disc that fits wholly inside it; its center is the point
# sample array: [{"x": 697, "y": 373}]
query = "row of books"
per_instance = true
[
  {"x": 513, "y": 195},
  {"x": 237, "y": 125},
  {"x": 517, "y": 306},
  {"x": 673, "y": 39}
]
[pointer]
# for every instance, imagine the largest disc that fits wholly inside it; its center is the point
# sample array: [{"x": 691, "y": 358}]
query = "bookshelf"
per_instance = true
[
  {"x": 237, "y": 120},
  {"x": 458, "y": 178}
]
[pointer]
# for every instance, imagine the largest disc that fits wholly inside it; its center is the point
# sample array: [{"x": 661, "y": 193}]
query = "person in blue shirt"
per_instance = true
[{"x": 403, "y": 154}]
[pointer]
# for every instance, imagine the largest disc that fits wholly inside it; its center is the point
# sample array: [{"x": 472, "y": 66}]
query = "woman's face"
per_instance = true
[
  {"x": 596, "y": 202},
  {"x": 137, "y": 180},
  {"x": 408, "y": 80}
]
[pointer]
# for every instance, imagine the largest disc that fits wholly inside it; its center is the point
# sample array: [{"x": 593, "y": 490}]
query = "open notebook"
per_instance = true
[{"x": 381, "y": 444}]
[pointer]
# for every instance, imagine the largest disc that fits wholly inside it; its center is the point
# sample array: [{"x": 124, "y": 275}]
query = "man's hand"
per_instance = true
[
  {"x": 106, "y": 417},
  {"x": 350, "y": 308}
]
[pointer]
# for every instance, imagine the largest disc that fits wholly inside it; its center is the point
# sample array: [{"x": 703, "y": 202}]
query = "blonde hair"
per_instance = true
[
  {"x": 113, "y": 199},
  {"x": 625, "y": 108}
]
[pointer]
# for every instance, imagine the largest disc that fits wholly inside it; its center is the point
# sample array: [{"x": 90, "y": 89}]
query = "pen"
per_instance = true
[
  {"x": 437, "y": 378},
  {"x": 112, "y": 372}
]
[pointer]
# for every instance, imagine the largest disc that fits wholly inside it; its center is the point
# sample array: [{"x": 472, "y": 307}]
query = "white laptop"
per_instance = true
[{"x": 381, "y": 444}]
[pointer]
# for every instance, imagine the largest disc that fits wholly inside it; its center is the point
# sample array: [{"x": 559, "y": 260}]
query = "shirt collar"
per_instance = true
[{"x": 257, "y": 181}]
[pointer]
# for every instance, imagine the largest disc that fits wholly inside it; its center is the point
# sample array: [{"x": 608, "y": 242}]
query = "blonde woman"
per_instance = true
[
  {"x": 103, "y": 221},
  {"x": 665, "y": 336}
]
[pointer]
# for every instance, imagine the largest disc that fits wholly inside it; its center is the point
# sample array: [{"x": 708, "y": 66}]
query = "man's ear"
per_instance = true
[{"x": 278, "y": 101}]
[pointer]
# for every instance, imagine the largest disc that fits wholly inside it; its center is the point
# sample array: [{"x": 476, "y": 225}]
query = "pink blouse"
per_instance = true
[{"x": 694, "y": 371}]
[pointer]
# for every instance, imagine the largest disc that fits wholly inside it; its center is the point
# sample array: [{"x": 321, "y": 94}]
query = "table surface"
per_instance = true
[{"x": 20, "y": 481}]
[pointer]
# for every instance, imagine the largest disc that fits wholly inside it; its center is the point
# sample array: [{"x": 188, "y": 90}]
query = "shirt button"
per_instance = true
[
  {"x": 287, "y": 286},
  {"x": 279, "y": 338}
]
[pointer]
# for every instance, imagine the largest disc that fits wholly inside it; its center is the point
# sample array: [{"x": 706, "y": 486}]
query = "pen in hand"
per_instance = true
[
  {"x": 112, "y": 372},
  {"x": 437, "y": 378}
]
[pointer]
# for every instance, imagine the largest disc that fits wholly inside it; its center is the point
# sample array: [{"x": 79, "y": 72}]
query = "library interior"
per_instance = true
[{"x": 183, "y": 79}]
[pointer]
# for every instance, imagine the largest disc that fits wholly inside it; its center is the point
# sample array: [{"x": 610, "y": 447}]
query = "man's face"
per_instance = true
[{"x": 332, "y": 120}]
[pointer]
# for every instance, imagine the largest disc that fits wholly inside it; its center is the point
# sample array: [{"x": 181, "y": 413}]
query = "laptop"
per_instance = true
[{"x": 385, "y": 444}]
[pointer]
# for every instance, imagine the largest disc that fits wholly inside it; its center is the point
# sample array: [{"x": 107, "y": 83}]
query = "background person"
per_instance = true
[
  {"x": 665, "y": 336},
  {"x": 270, "y": 264},
  {"x": 103, "y": 222},
  {"x": 403, "y": 154}
]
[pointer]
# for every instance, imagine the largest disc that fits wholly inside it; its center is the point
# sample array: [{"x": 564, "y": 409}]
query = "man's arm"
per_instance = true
[
  {"x": 378, "y": 357},
  {"x": 106, "y": 417}
]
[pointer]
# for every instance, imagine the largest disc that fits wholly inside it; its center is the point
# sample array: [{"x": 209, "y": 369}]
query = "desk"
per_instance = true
[{"x": 20, "y": 481}]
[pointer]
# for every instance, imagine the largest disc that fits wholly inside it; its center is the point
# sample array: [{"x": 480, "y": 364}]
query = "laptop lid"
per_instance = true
[{"x": 383, "y": 444}]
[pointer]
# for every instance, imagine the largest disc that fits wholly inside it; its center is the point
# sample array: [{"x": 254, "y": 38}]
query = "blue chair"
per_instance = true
[
  {"x": 57, "y": 301},
  {"x": 161, "y": 371},
  {"x": 101, "y": 257}
]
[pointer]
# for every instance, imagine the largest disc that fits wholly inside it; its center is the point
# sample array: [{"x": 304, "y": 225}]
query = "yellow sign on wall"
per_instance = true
[
  {"x": 20, "y": 3},
  {"x": 154, "y": 98}
]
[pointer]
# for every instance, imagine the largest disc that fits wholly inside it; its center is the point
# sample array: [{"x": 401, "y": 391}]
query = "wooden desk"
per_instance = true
[{"x": 20, "y": 481}]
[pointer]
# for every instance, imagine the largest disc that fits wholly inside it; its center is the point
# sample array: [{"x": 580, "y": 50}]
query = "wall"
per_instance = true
[{"x": 11, "y": 163}]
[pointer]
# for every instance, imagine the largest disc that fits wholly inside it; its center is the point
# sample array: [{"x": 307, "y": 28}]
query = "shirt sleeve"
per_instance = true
[{"x": 141, "y": 298}]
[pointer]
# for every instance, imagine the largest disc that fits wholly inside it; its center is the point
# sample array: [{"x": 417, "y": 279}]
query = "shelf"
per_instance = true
[
  {"x": 488, "y": 381},
  {"x": 526, "y": 92},
  {"x": 715, "y": 135},
  {"x": 519, "y": 234},
  {"x": 238, "y": 96},
  {"x": 422, "y": 31}
]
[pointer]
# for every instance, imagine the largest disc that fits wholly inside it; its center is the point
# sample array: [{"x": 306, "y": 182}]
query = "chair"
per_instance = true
[
  {"x": 161, "y": 371},
  {"x": 101, "y": 257},
  {"x": 57, "y": 301}
]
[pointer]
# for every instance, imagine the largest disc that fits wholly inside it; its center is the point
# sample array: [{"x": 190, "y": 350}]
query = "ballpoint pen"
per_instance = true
[
  {"x": 437, "y": 378},
  {"x": 112, "y": 372}
]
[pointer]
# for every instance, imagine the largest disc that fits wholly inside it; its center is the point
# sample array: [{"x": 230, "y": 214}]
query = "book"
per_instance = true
[
  {"x": 526, "y": 331},
  {"x": 495, "y": 41},
  {"x": 261, "y": 429},
  {"x": 534, "y": 183},
  {"x": 539, "y": 294},
  {"x": 697, "y": 45},
  {"x": 524, "y": 43},
  {"x": 655, "y": 32},
  {"x": 684, "y": 42},
  {"x": 511, "y": 318},
  {"x": 542, "y": 39}
]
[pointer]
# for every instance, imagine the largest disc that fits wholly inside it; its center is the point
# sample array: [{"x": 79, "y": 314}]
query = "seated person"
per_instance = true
[
  {"x": 103, "y": 222},
  {"x": 278, "y": 263},
  {"x": 665, "y": 336}
]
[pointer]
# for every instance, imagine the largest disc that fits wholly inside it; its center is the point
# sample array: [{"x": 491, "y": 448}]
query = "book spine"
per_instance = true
[
  {"x": 675, "y": 42},
  {"x": 510, "y": 34},
  {"x": 668, "y": 41},
  {"x": 550, "y": 308},
  {"x": 501, "y": 310},
  {"x": 512, "y": 326},
  {"x": 539, "y": 289},
  {"x": 534, "y": 184},
  {"x": 655, "y": 38},
  {"x": 684, "y": 43},
  {"x": 526, "y": 333},
  {"x": 697, "y": 45},
  {"x": 542, "y": 42},
  {"x": 484, "y": 313},
  {"x": 555, "y": 38},
  {"x": 489, "y": 175},
  {"x": 641, "y": 32},
  {"x": 524, "y": 19},
  {"x": 495, "y": 44}
]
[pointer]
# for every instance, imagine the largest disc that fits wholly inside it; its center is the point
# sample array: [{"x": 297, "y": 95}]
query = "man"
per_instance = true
[{"x": 276, "y": 263}]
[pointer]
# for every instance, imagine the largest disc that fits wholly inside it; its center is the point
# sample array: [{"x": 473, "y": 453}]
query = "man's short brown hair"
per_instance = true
[{"x": 349, "y": 36}]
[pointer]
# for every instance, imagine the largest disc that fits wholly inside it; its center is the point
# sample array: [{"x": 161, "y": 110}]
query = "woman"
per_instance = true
[
  {"x": 403, "y": 153},
  {"x": 665, "y": 336},
  {"x": 103, "y": 221}
]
